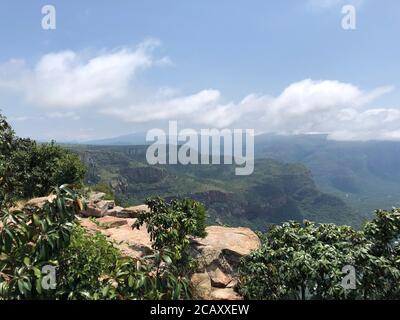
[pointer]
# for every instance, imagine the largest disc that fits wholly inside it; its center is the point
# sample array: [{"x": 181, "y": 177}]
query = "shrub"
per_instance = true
[
  {"x": 171, "y": 224},
  {"x": 31, "y": 239},
  {"x": 28, "y": 169},
  {"x": 45, "y": 166},
  {"x": 92, "y": 268},
  {"x": 305, "y": 261}
]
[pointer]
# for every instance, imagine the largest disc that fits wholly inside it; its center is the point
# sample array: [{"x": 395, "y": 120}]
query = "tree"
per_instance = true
[
  {"x": 171, "y": 224},
  {"x": 28, "y": 169},
  {"x": 32, "y": 238},
  {"x": 305, "y": 261}
]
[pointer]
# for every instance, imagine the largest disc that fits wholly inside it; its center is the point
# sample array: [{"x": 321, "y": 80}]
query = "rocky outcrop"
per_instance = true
[
  {"x": 132, "y": 243},
  {"x": 218, "y": 254},
  {"x": 37, "y": 202},
  {"x": 97, "y": 207}
]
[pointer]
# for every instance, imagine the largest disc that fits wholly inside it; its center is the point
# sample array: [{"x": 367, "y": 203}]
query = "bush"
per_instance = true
[
  {"x": 305, "y": 261},
  {"x": 28, "y": 169},
  {"x": 92, "y": 268},
  {"x": 31, "y": 239},
  {"x": 45, "y": 166},
  {"x": 171, "y": 224},
  {"x": 87, "y": 266}
]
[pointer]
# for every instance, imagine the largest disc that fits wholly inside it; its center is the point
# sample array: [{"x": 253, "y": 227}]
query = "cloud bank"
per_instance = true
[{"x": 61, "y": 84}]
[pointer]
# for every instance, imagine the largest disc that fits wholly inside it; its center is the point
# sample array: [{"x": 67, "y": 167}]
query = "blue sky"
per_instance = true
[{"x": 117, "y": 67}]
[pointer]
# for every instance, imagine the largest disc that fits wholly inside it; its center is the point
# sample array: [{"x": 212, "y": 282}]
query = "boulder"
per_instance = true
[
  {"x": 224, "y": 247},
  {"x": 114, "y": 212},
  {"x": 98, "y": 209},
  {"x": 109, "y": 222},
  {"x": 219, "y": 278},
  {"x": 219, "y": 254},
  {"x": 224, "y": 294},
  {"x": 132, "y": 212},
  {"x": 132, "y": 243},
  {"x": 39, "y": 202},
  {"x": 202, "y": 284}
]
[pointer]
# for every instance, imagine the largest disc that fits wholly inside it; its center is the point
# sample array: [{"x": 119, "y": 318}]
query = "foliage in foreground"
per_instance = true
[
  {"x": 305, "y": 261},
  {"x": 31, "y": 239},
  {"x": 93, "y": 268},
  {"x": 87, "y": 266}
]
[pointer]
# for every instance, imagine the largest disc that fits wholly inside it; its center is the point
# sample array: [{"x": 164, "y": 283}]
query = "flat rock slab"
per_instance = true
[
  {"x": 239, "y": 240},
  {"x": 133, "y": 243}
]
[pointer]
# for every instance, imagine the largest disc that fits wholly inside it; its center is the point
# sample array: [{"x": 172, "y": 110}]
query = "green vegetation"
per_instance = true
[
  {"x": 106, "y": 189},
  {"x": 276, "y": 192},
  {"x": 87, "y": 266},
  {"x": 92, "y": 268},
  {"x": 31, "y": 239},
  {"x": 305, "y": 261},
  {"x": 30, "y": 170},
  {"x": 171, "y": 224},
  {"x": 363, "y": 174}
]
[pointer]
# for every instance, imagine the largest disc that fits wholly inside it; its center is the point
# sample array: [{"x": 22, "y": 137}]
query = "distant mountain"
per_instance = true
[
  {"x": 129, "y": 139},
  {"x": 274, "y": 193},
  {"x": 366, "y": 175}
]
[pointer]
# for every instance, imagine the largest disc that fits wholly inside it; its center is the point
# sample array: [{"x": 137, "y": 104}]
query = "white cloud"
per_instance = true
[
  {"x": 63, "y": 115},
  {"x": 339, "y": 109},
  {"x": 64, "y": 82},
  {"x": 164, "y": 109},
  {"x": 71, "y": 80}
]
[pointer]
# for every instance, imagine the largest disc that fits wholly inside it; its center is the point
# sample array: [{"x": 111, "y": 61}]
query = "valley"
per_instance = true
[{"x": 276, "y": 192}]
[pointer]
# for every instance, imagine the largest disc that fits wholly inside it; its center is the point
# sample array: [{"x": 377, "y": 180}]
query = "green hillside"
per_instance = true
[
  {"x": 274, "y": 193},
  {"x": 363, "y": 174}
]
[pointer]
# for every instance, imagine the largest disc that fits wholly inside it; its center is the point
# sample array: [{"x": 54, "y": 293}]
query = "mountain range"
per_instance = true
[{"x": 295, "y": 178}]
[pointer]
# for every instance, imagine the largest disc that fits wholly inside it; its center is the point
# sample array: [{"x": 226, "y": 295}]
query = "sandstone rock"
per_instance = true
[
  {"x": 132, "y": 243},
  {"x": 98, "y": 209},
  {"x": 240, "y": 241},
  {"x": 132, "y": 212},
  {"x": 218, "y": 254},
  {"x": 109, "y": 222},
  {"x": 219, "y": 278},
  {"x": 232, "y": 284},
  {"x": 39, "y": 202},
  {"x": 224, "y": 246},
  {"x": 202, "y": 285},
  {"x": 225, "y": 294},
  {"x": 115, "y": 212},
  {"x": 93, "y": 211},
  {"x": 106, "y": 204}
]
